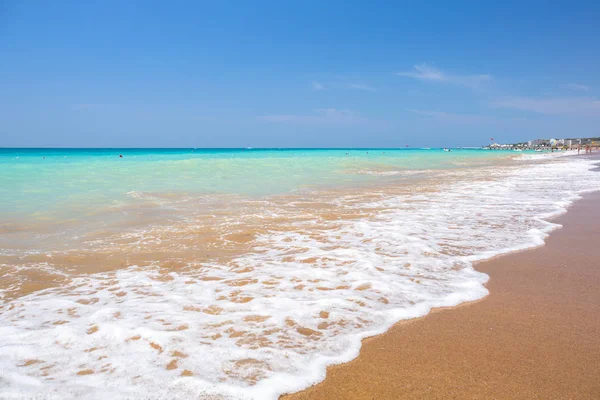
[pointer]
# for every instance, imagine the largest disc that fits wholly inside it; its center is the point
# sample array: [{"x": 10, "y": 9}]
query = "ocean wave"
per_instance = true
[{"x": 270, "y": 320}]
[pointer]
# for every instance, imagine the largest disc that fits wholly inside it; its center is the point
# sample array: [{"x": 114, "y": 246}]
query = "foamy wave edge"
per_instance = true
[
  {"x": 272, "y": 388},
  {"x": 402, "y": 315}
]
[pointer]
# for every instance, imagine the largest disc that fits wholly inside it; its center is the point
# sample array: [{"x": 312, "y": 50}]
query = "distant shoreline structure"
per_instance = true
[{"x": 546, "y": 144}]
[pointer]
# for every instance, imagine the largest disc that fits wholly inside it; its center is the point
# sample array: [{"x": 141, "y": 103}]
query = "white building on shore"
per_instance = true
[{"x": 538, "y": 142}]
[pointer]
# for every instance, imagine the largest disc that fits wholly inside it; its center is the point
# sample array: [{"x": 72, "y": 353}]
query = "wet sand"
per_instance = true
[{"x": 536, "y": 336}]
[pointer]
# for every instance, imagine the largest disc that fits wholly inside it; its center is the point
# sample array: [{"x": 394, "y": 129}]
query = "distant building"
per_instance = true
[
  {"x": 538, "y": 142},
  {"x": 576, "y": 142}
]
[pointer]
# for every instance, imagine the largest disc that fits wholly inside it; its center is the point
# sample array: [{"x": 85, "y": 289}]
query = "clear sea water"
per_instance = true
[
  {"x": 244, "y": 273},
  {"x": 37, "y": 181}
]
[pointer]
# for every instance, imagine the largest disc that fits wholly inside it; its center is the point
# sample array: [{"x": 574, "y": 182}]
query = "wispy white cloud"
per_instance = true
[
  {"x": 322, "y": 116},
  {"x": 425, "y": 72},
  {"x": 362, "y": 86},
  {"x": 317, "y": 86},
  {"x": 454, "y": 118},
  {"x": 552, "y": 105},
  {"x": 575, "y": 86},
  {"x": 428, "y": 73}
]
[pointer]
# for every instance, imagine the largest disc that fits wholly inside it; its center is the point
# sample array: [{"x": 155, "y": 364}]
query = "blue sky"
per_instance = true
[{"x": 296, "y": 74}]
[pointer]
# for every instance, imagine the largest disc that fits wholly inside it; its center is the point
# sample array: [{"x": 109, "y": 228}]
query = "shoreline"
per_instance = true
[
  {"x": 414, "y": 358},
  {"x": 172, "y": 280}
]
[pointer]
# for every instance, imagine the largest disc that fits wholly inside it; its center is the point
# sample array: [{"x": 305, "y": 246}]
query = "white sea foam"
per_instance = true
[
  {"x": 271, "y": 320},
  {"x": 13, "y": 276},
  {"x": 547, "y": 154}
]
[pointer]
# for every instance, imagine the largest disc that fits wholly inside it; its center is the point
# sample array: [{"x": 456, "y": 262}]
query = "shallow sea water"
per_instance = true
[{"x": 241, "y": 274}]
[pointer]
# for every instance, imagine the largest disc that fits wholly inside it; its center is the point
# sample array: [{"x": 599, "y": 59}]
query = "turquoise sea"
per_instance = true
[{"x": 55, "y": 181}]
